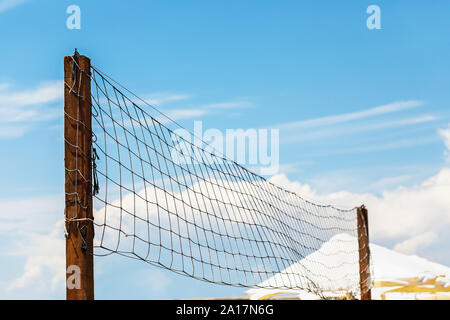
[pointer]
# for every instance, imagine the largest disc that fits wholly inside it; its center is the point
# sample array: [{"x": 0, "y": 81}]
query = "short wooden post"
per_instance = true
[
  {"x": 78, "y": 179},
  {"x": 364, "y": 253}
]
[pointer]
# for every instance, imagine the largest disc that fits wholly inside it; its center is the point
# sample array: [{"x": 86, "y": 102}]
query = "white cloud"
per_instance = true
[
  {"x": 411, "y": 245},
  {"x": 411, "y": 211},
  {"x": 346, "y": 117},
  {"x": 32, "y": 214},
  {"x": 31, "y": 233},
  {"x": 8, "y": 4},
  {"x": 410, "y": 214},
  {"x": 399, "y": 213},
  {"x": 45, "y": 261}
]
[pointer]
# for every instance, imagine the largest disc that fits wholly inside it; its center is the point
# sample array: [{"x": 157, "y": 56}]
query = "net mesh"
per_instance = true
[{"x": 182, "y": 206}]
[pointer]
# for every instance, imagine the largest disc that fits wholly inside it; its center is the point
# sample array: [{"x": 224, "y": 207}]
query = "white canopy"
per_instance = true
[{"x": 394, "y": 275}]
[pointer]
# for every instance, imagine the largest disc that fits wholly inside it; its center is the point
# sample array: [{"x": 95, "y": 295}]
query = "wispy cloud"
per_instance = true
[
  {"x": 10, "y": 132},
  {"x": 356, "y": 128},
  {"x": 403, "y": 143},
  {"x": 346, "y": 117},
  {"x": 8, "y": 4},
  {"x": 19, "y": 108},
  {"x": 159, "y": 99},
  {"x": 387, "y": 183},
  {"x": 228, "y": 105},
  {"x": 181, "y": 114},
  {"x": 293, "y": 167}
]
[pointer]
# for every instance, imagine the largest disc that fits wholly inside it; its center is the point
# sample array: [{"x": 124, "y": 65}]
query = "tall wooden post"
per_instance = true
[
  {"x": 364, "y": 254},
  {"x": 78, "y": 178}
]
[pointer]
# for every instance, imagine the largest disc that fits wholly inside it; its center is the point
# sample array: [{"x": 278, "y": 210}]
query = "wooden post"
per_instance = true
[
  {"x": 78, "y": 176},
  {"x": 364, "y": 254}
]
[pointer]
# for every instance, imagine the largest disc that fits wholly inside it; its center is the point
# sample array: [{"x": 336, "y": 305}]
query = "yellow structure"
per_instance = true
[{"x": 437, "y": 287}]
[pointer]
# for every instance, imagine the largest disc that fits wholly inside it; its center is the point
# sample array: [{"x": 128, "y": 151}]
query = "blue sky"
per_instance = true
[{"x": 360, "y": 111}]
